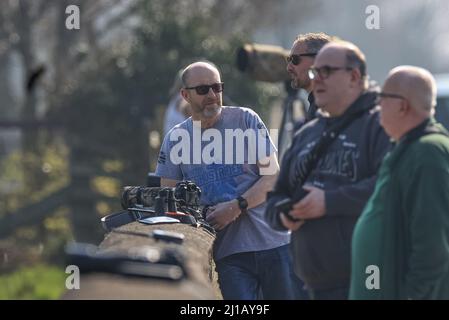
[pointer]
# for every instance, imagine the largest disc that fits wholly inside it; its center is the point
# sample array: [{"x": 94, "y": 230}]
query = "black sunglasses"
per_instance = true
[
  {"x": 324, "y": 72},
  {"x": 295, "y": 59},
  {"x": 204, "y": 88}
]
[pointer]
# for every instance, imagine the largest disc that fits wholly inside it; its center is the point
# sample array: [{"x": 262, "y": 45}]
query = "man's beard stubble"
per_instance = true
[{"x": 210, "y": 112}]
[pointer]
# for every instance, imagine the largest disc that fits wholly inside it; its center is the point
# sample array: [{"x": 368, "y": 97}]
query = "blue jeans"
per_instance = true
[{"x": 266, "y": 274}]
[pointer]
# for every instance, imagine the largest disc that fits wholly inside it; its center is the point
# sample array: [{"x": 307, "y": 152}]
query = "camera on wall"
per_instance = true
[{"x": 185, "y": 197}]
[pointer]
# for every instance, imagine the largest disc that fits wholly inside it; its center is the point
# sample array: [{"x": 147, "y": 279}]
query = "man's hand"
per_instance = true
[
  {"x": 222, "y": 214},
  {"x": 312, "y": 206},
  {"x": 289, "y": 224}
]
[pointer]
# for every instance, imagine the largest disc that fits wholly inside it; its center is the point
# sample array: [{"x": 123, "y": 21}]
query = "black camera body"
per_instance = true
[
  {"x": 188, "y": 194},
  {"x": 185, "y": 197},
  {"x": 285, "y": 204},
  {"x": 181, "y": 202}
]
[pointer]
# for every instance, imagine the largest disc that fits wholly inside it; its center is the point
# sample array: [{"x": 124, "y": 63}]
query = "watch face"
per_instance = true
[{"x": 243, "y": 204}]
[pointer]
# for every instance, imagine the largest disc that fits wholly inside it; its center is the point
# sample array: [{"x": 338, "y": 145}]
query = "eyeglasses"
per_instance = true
[
  {"x": 324, "y": 72},
  {"x": 204, "y": 88},
  {"x": 383, "y": 95},
  {"x": 295, "y": 59},
  {"x": 391, "y": 95}
]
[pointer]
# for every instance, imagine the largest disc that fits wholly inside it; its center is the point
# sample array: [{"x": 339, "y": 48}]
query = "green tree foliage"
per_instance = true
[{"x": 107, "y": 111}]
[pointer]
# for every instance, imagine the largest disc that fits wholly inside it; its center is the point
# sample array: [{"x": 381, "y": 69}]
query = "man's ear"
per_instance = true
[
  {"x": 185, "y": 94},
  {"x": 405, "y": 107},
  {"x": 356, "y": 76}
]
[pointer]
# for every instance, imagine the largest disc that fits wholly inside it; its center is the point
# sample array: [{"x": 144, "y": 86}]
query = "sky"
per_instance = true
[{"x": 413, "y": 32}]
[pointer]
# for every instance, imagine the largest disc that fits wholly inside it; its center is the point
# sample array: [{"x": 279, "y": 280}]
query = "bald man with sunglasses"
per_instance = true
[
  {"x": 252, "y": 260},
  {"x": 329, "y": 171}
]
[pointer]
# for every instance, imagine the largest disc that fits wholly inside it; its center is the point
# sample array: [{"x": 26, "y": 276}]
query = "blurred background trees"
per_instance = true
[
  {"x": 81, "y": 111},
  {"x": 81, "y": 114}
]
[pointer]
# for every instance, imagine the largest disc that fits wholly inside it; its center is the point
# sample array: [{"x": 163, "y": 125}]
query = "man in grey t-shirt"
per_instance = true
[{"x": 228, "y": 153}]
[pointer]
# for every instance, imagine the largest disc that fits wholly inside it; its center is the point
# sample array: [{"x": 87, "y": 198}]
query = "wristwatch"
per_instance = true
[{"x": 243, "y": 204}]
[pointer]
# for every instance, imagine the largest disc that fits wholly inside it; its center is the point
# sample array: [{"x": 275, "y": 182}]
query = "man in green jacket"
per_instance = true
[{"x": 400, "y": 245}]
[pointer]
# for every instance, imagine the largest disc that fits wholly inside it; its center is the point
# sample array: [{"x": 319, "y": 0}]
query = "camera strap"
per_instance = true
[{"x": 310, "y": 161}]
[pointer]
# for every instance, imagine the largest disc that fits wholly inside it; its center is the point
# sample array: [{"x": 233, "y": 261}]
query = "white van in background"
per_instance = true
[{"x": 442, "y": 109}]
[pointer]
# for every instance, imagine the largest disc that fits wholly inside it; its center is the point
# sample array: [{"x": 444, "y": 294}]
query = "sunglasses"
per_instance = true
[
  {"x": 204, "y": 88},
  {"x": 295, "y": 59},
  {"x": 324, "y": 72}
]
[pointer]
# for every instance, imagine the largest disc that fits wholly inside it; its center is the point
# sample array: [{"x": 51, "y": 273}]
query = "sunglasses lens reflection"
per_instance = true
[{"x": 204, "y": 89}]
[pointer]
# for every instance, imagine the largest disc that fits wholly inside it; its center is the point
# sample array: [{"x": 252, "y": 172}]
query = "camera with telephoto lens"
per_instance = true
[
  {"x": 184, "y": 197},
  {"x": 263, "y": 62}
]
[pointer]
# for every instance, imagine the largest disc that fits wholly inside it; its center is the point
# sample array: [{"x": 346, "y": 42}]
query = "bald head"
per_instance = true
[
  {"x": 332, "y": 50},
  {"x": 408, "y": 98},
  {"x": 198, "y": 68},
  {"x": 416, "y": 84},
  {"x": 351, "y": 54}
]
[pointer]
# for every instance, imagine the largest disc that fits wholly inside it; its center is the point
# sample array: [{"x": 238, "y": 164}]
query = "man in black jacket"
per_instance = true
[{"x": 341, "y": 181}]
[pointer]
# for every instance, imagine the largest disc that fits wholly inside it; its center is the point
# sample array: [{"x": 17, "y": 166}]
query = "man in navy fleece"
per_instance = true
[{"x": 343, "y": 178}]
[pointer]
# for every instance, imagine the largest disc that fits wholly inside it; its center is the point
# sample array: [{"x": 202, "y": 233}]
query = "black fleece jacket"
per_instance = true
[{"x": 346, "y": 172}]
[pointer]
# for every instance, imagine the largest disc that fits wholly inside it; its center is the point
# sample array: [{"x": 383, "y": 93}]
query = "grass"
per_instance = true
[{"x": 29, "y": 283}]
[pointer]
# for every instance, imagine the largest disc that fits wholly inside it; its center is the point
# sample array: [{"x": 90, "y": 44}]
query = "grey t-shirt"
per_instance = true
[{"x": 224, "y": 173}]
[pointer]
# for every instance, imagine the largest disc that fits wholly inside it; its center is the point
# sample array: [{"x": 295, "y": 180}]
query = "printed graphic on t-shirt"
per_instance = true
[{"x": 217, "y": 181}]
